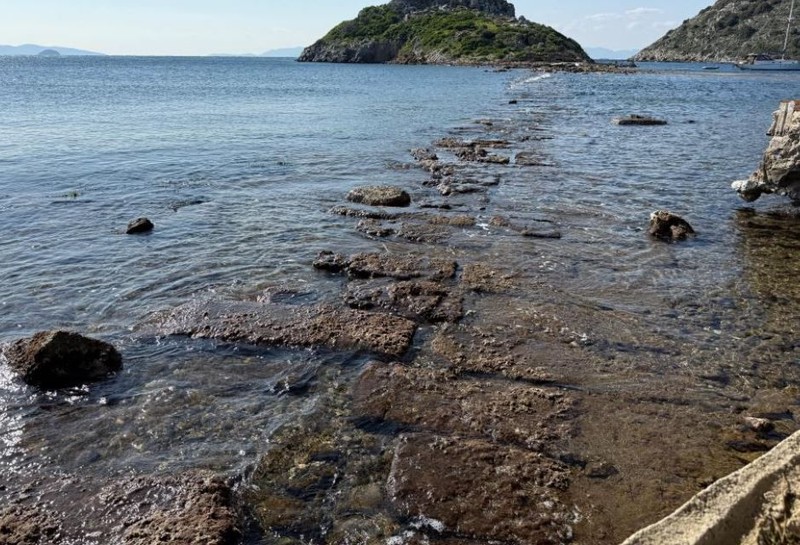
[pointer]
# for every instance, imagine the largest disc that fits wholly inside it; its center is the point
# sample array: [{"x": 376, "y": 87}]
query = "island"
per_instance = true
[
  {"x": 464, "y": 32},
  {"x": 729, "y": 30}
]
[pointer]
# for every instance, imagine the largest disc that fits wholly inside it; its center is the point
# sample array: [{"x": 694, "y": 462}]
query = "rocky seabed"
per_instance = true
[{"x": 475, "y": 419}]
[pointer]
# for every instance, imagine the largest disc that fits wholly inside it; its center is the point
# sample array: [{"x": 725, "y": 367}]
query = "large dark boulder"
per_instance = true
[
  {"x": 639, "y": 120},
  {"x": 60, "y": 359},
  {"x": 138, "y": 226},
  {"x": 667, "y": 226}
]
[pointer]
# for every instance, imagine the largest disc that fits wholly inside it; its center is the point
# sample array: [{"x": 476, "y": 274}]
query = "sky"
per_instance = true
[{"x": 203, "y": 27}]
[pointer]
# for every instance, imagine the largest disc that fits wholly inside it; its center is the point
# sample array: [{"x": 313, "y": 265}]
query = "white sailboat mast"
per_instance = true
[{"x": 788, "y": 29}]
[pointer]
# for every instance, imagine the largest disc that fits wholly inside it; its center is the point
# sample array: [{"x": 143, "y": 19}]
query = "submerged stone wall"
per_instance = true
[{"x": 779, "y": 171}]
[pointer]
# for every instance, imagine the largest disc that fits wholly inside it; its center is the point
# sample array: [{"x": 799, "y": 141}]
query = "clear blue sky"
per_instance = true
[{"x": 201, "y": 27}]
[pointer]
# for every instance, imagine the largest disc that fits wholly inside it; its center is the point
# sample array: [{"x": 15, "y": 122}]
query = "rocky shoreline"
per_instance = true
[{"x": 487, "y": 409}]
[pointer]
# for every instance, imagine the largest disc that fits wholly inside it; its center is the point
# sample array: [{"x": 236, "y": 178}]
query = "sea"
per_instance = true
[{"x": 237, "y": 161}]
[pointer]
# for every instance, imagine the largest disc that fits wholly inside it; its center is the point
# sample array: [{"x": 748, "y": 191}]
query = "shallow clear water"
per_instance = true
[{"x": 237, "y": 162}]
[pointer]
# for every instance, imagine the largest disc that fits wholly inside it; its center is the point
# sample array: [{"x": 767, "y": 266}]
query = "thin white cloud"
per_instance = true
[
  {"x": 629, "y": 28},
  {"x": 602, "y": 17},
  {"x": 641, "y": 13}
]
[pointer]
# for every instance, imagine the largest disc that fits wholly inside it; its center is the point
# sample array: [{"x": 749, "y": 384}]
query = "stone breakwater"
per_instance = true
[
  {"x": 502, "y": 412},
  {"x": 479, "y": 402}
]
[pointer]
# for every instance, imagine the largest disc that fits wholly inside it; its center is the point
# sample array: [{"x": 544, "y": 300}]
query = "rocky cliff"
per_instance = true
[
  {"x": 442, "y": 32},
  {"x": 728, "y": 30},
  {"x": 779, "y": 171}
]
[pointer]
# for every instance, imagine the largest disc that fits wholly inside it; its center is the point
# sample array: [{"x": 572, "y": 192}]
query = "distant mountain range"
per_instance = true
[
  {"x": 33, "y": 49},
  {"x": 613, "y": 54},
  {"x": 292, "y": 52},
  {"x": 286, "y": 52}
]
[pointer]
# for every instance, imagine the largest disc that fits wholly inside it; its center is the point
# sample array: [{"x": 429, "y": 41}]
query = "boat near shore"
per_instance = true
[
  {"x": 767, "y": 62},
  {"x": 763, "y": 61}
]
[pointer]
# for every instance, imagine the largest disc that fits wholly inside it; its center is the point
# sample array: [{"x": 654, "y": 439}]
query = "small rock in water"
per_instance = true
[
  {"x": 602, "y": 470},
  {"x": 379, "y": 195},
  {"x": 760, "y": 425},
  {"x": 640, "y": 120},
  {"x": 60, "y": 359},
  {"x": 140, "y": 225},
  {"x": 667, "y": 226}
]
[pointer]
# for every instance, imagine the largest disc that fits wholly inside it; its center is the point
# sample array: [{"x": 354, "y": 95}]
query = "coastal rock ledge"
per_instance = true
[
  {"x": 779, "y": 171},
  {"x": 443, "y": 32}
]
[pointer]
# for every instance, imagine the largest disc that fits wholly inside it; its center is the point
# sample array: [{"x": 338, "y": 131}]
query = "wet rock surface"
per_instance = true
[
  {"x": 197, "y": 507},
  {"x": 379, "y": 195},
  {"x": 445, "y": 482},
  {"x": 639, "y": 120},
  {"x": 139, "y": 226},
  {"x": 279, "y": 325},
  {"x": 490, "y": 408},
  {"x": 668, "y": 226},
  {"x": 21, "y": 525},
  {"x": 374, "y": 265},
  {"x": 61, "y": 359}
]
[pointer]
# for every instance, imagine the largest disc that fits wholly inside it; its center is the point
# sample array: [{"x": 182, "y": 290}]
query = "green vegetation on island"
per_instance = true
[
  {"x": 441, "y": 34},
  {"x": 727, "y": 31}
]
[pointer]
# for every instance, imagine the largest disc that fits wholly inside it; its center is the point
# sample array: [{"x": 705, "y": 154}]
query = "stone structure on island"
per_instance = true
[
  {"x": 443, "y": 32},
  {"x": 779, "y": 171}
]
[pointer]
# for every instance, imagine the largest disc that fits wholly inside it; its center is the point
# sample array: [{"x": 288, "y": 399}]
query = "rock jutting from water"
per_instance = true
[
  {"x": 379, "y": 195},
  {"x": 139, "y": 226},
  {"x": 639, "y": 120},
  {"x": 60, "y": 359},
  {"x": 668, "y": 226},
  {"x": 779, "y": 172}
]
